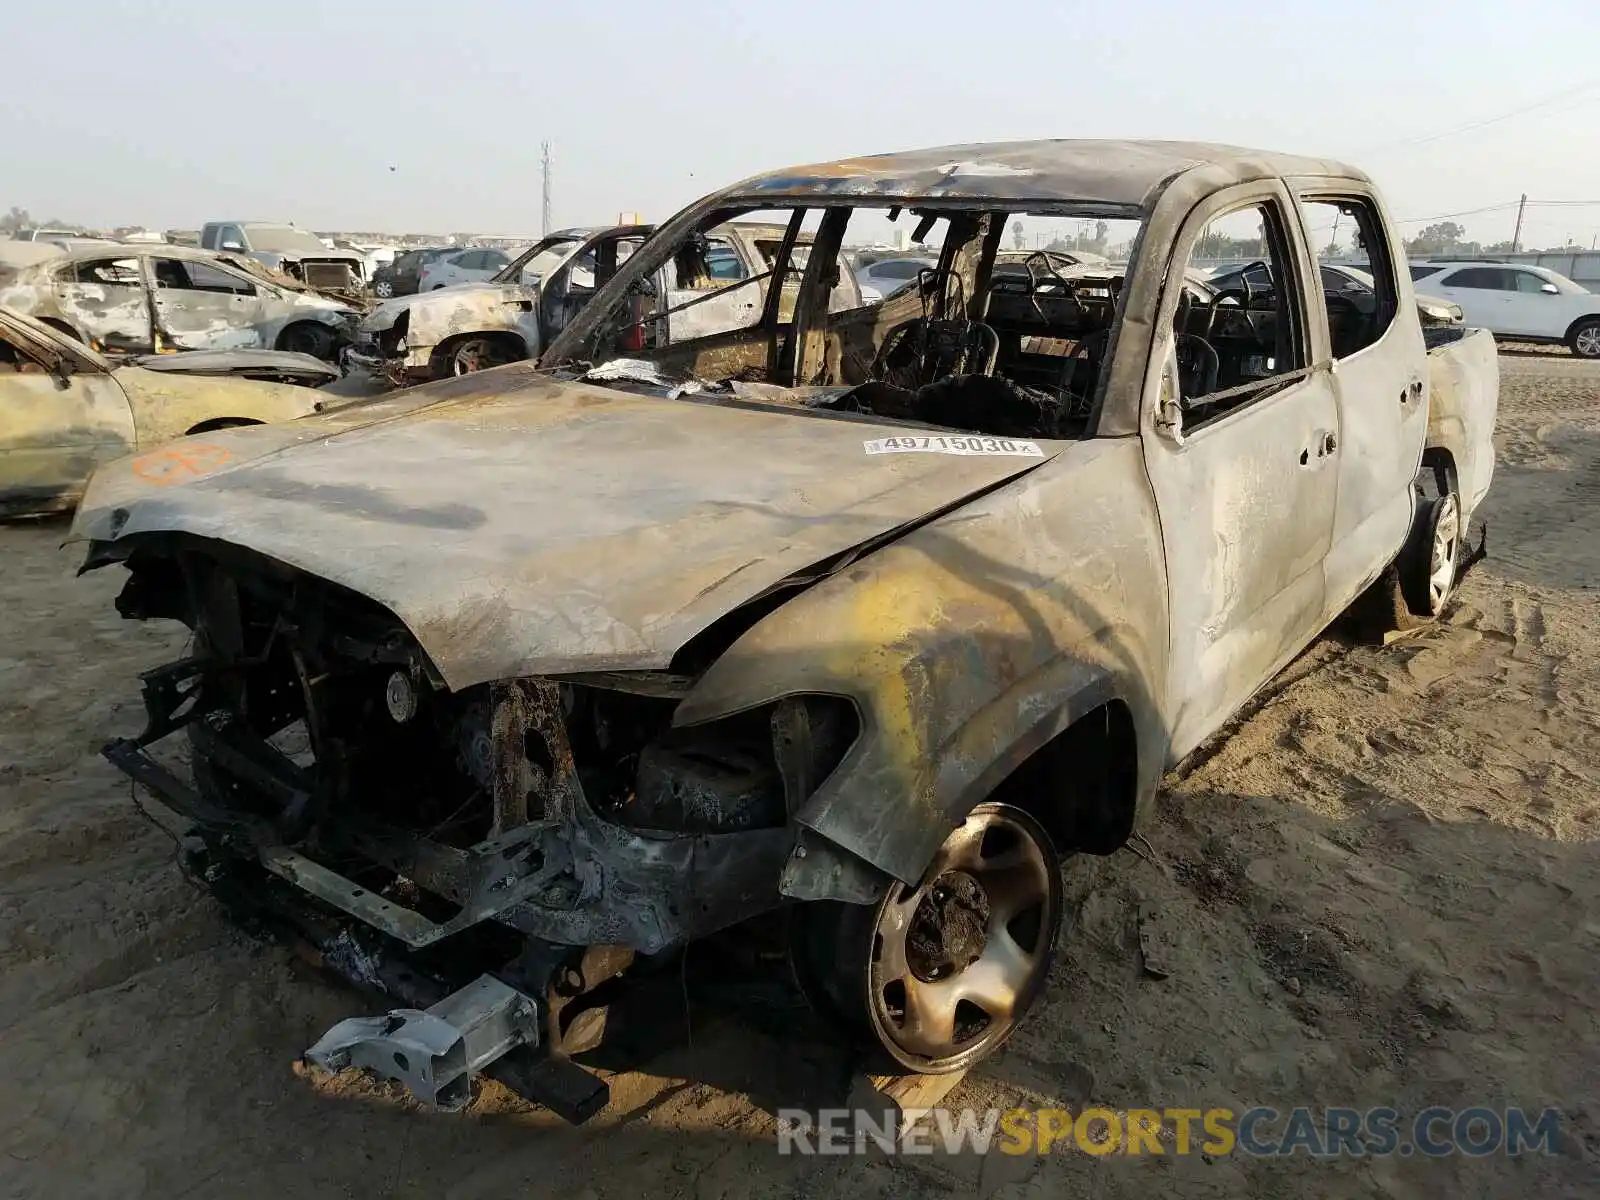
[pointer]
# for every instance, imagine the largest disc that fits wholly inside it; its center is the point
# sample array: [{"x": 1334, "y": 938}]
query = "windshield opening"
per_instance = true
[
  {"x": 537, "y": 262},
  {"x": 991, "y": 321}
]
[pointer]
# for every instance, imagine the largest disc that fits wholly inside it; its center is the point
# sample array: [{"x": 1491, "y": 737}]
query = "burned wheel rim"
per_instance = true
[
  {"x": 1443, "y": 552},
  {"x": 957, "y": 961},
  {"x": 475, "y": 354}
]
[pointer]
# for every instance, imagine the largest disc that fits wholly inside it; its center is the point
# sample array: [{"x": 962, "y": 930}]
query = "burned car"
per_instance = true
[
  {"x": 65, "y": 410},
  {"x": 505, "y": 684},
  {"x": 149, "y": 299},
  {"x": 710, "y": 284}
]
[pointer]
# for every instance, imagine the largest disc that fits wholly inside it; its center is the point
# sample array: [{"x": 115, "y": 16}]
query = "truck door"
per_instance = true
[
  {"x": 1237, "y": 435},
  {"x": 106, "y": 302},
  {"x": 204, "y": 306},
  {"x": 1372, "y": 347},
  {"x": 56, "y": 426}
]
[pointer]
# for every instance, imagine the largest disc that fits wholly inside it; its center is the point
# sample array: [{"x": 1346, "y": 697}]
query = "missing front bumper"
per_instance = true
[{"x": 435, "y": 1053}]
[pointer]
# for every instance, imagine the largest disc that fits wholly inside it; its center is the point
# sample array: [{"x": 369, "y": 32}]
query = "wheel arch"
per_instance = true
[
  {"x": 1086, "y": 770},
  {"x": 505, "y": 337},
  {"x": 1572, "y": 329},
  {"x": 1439, "y": 460},
  {"x": 216, "y": 423}
]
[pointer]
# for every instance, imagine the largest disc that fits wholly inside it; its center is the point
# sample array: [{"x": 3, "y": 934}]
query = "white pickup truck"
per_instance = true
[{"x": 873, "y": 613}]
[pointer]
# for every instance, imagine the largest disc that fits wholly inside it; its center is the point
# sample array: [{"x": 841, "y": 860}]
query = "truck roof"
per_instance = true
[{"x": 1115, "y": 174}]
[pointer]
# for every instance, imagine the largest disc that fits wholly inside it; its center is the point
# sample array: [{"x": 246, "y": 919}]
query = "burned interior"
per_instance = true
[
  {"x": 329, "y": 755},
  {"x": 995, "y": 339}
]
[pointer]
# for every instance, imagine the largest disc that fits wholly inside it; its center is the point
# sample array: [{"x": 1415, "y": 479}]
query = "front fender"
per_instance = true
[{"x": 965, "y": 647}]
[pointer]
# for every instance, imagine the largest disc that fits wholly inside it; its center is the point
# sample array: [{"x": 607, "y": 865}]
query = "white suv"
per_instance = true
[{"x": 1530, "y": 304}]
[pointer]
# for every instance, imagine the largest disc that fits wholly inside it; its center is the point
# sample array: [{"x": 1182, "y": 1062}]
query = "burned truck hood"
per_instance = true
[{"x": 523, "y": 526}]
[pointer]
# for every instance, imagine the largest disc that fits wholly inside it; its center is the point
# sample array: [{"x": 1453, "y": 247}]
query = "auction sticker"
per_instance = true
[{"x": 1011, "y": 447}]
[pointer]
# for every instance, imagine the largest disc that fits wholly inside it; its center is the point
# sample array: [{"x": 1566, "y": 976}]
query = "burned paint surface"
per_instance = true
[
  {"x": 65, "y": 411},
  {"x": 592, "y": 530}
]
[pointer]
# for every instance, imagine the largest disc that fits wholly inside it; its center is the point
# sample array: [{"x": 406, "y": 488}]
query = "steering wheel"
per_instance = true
[
  {"x": 1244, "y": 292},
  {"x": 1050, "y": 269}
]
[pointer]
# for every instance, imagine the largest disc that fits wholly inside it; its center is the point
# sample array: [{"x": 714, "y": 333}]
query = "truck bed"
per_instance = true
[{"x": 1463, "y": 399}]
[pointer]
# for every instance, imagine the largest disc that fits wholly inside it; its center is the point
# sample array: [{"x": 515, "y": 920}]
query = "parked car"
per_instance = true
[
  {"x": 402, "y": 277},
  {"x": 143, "y": 299},
  {"x": 871, "y": 614},
  {"x": 470, "y": 327},
  {"x": 460, "y": 266},
  {"x": 298, "y": 253},
  {"x": 65, "y": 410},
  {"x": 888, "y": 275},
  {"x": 47, "y": 234},
  {"x": 1341, "y": 285},
  {"x": 1529, "y": 304}
]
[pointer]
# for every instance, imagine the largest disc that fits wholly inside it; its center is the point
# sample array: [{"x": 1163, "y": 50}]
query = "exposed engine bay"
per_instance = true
[{"x": 529, "y": 822}]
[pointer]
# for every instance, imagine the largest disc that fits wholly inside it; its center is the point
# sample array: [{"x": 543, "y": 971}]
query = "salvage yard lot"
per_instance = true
[{"x": 1381, "y": 889}]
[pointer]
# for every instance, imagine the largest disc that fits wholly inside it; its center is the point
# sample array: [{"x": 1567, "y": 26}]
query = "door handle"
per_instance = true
[{"x": 1325, "y": 445}]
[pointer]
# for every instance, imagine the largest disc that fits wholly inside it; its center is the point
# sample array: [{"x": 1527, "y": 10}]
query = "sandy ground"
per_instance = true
[{"x": 1381, "y": 888}]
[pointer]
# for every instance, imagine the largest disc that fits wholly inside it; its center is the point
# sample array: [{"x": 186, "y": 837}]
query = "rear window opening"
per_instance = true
[{"x": 989, "y": 321}]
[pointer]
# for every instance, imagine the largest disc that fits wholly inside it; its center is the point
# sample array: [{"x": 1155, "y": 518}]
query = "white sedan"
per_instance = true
[
  {"x": 464, "y": 266},
  {"x": 1530, "y": 304}
]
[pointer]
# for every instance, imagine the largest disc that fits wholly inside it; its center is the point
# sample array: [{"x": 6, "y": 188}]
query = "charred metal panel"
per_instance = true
[
  {"x": 1463, "y": 389},
  {"x": 533, "y": 771},
  {"x": 966, "y": 645},
  {"x": 564, "y": 527}
]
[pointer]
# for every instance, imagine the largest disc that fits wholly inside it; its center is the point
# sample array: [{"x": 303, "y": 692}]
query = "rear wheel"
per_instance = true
[
  {"x": 383, "y": 289},
  {"x": 1585, "y": 338},
  {"x": 937, "y": 976},
  {"x": 1419, "y": 584},
  {"x": 1429, "y": 579}
]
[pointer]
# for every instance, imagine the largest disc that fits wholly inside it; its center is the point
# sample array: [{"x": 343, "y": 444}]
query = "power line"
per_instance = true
[
  {"x": 1466, "y": 212},
  {"x": 1567, "y": 93}
]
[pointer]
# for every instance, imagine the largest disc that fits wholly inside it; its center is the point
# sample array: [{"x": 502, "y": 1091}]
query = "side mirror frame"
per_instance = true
[{"x": 1550, "y": 289}]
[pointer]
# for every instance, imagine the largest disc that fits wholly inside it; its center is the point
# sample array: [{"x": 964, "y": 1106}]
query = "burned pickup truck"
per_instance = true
[
  {"x": 712, "y": 283},
  {"x": 504, "y": 685}
]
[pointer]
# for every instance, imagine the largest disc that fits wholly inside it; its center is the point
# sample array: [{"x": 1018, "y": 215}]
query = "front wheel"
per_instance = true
[
  {"x": 383, "y": 289},
  {"x": 1585, "y": 338},
  {"x": 469, "y": 356},
  {"x": 308, "y": 338},
  {"x": 938, "y": 975}
]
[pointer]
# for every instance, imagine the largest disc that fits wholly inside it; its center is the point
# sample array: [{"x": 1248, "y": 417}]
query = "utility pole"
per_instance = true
[
  {"x": 1516, "y": 237},
  {"x": 544, "y": 227}
]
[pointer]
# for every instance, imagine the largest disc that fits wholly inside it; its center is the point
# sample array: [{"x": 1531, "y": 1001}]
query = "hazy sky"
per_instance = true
[{"x": 169, "y": 113}]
